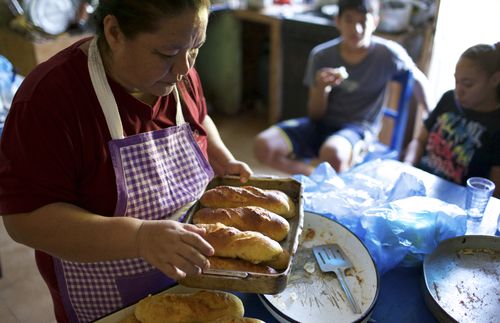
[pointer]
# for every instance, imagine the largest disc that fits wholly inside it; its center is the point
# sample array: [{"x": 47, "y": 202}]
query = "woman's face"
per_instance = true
[
  {"x": 151, "y": 62},
  {"x": 356, "y": 28},
  {"x": 472, "y": 84}
]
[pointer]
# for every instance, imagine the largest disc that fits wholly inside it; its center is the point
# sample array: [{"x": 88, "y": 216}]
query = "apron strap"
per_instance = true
[
  {"x": 106, "y": 98},
  {"x": 179, "y": 118},
  {"x": 103, "y": 92}
]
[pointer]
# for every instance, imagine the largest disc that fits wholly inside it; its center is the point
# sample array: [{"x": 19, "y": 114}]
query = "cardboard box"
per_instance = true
[{"x": 25, "y": 53}]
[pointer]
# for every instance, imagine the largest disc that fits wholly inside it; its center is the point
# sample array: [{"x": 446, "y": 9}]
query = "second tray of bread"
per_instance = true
[{"x": 254, "y": 228}]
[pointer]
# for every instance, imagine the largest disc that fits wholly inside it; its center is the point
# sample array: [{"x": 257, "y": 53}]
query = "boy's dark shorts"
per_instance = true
[{"x": 306, "y": 136}]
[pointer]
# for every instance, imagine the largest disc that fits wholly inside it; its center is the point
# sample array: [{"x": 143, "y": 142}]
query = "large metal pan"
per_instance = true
[{"x": 462, "y": 279}]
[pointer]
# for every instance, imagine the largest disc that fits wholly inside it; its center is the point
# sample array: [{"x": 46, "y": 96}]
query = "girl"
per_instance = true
[{"x": 461, "y": 137}]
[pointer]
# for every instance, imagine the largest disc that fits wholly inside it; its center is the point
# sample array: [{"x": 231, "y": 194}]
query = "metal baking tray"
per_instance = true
[
  {"x": 462, "y": 279},
  {"x": 247, "y": 281}
]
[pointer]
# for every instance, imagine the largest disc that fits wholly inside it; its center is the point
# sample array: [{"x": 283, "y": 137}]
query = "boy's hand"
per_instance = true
[{"x": 329, "y": 77}]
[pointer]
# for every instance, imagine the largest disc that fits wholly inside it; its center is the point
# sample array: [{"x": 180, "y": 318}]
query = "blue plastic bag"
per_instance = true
[
  {"x": 386, "y": 209},
  {"x": 404, "y": 231},
  {"x": 9, "y": 83},
  {"x": 344, "y": 198}
]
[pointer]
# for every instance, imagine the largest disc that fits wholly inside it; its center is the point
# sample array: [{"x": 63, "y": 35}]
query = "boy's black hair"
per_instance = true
[{"x": 364, "y": 6}]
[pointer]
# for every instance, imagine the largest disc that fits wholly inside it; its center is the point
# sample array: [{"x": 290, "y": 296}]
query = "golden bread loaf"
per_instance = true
[
  {"x": 202, "y": 306},
  {"x": 239, "y": 265},
  {"x": 230, "y": 242},
  {"x": 247, "y": 218},
  {"x": 236, "y": 196},
  {"x": 130, "y": 319},
  {"x": 279, "y": 263}
]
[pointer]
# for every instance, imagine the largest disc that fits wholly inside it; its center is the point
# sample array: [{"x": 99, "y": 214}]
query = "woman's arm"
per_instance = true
[
  {"x": 416, "y": 147},
  {"x": 221, "y": 159},
  {"x": 71, "y": 233}
]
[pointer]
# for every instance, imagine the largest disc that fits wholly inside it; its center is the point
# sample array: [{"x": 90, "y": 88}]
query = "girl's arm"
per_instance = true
[
  {"x": 421, "y": 90},
  {"x": 416, "y": 147}
]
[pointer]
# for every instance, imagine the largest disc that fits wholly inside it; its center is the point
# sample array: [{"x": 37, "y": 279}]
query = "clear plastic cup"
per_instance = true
[
  {"x": 479, "y": 191},
  {"x": 497, "y": 233}
]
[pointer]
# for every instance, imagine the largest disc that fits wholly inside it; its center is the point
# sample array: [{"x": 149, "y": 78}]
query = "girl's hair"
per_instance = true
[
  {"x": 487, "y": 57},
  {"x": 136, "y": 16}
]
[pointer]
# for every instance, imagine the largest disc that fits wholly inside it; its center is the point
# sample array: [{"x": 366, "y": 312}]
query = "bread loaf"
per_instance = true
[
  {"x": 130, "y": 319},
  {"x": 239, "y": 265},
  {"x": 202, "y": 306},
  {"x": 233, "y": 196},
  {"x": 247, "y": 218},
  {"x": 230, "y": 242},
  {"x": 279, "y": 263}
]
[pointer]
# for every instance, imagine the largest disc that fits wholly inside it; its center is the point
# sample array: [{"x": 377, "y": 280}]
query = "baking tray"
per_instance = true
[
  {"x": 246, "y": 281},
  {"x": 462, "y": 279},
  {"x": 314, "y": 296}
]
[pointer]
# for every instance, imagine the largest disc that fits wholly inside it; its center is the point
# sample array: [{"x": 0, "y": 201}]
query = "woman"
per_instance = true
[
  {"x": 104, "y": 144},
  {"x": 461, "y": 137}
]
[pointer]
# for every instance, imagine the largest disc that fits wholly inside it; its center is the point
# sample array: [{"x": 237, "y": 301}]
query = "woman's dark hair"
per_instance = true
[
  {"x": 139, "y": 16},
  {"x": 487, "y": 57}
]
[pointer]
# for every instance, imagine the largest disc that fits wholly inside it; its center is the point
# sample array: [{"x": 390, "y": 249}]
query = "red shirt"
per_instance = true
[{"x": 54, "y": 145}]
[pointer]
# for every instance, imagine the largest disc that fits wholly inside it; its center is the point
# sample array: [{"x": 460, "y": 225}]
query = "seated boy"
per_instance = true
[{"x": 347, "y": 79}]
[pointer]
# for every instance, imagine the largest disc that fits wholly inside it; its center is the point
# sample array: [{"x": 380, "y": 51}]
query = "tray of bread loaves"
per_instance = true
[{"x": 254, "y": 228}]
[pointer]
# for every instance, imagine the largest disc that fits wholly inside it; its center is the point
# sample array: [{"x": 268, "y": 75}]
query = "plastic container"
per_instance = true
[
  {"x": 497, "y": 233},
  {"x": 479, "y": 191},
  {"x": 395, "y": 16}
]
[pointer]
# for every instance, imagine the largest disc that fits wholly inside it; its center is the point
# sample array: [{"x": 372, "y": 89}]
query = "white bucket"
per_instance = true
[{"x": 395, "y": 16}]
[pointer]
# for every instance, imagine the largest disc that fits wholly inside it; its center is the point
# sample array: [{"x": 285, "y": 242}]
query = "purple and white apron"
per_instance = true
[{"x": 157, "y": 174}]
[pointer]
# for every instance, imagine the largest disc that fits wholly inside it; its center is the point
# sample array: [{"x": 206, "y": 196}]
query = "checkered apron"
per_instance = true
[{"x": 157, "y": 173}]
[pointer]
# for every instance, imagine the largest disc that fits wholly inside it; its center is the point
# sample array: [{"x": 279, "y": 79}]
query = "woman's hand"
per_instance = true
[{"x": 177, "y": 249}]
